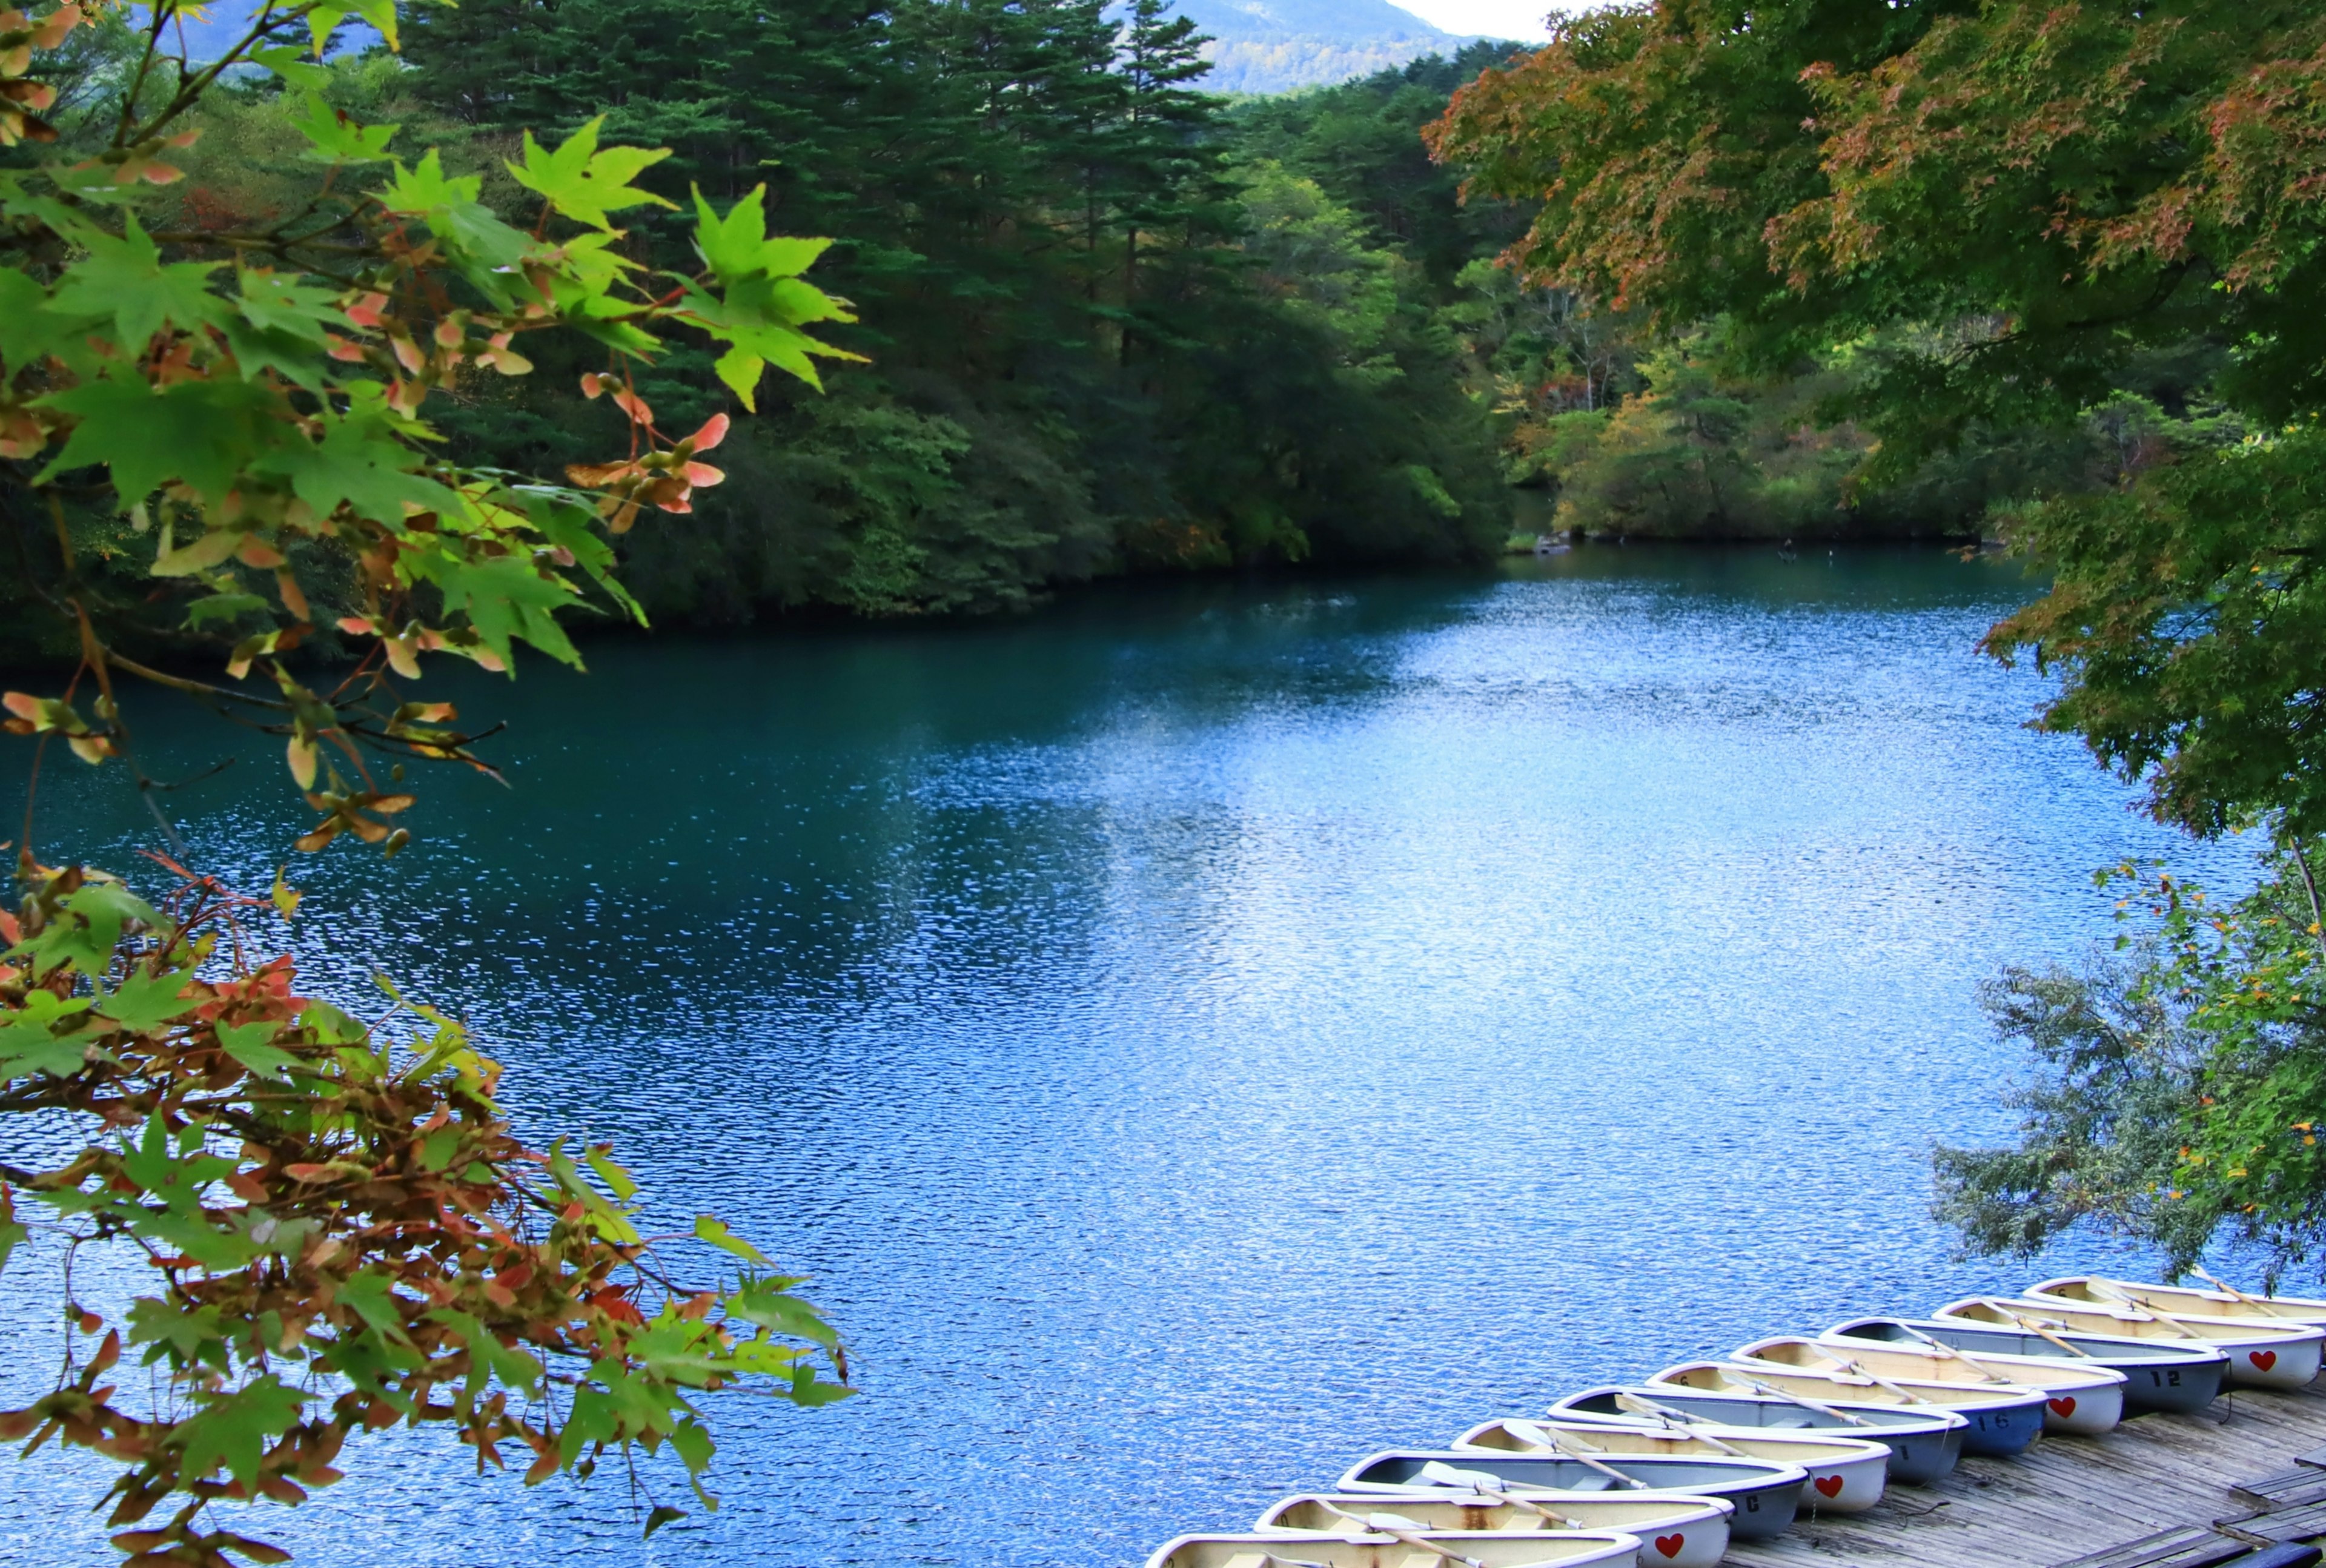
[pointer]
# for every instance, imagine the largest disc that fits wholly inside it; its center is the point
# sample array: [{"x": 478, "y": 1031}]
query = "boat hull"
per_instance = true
[
  {"x": 1674, "y": 1533},
  {"x": 2288, "y": 1357},
  {"x": 1566, "y": 1550},
  {"x": 2158, "y": 1377},
  {"x": 1998, "y": 1426},
  {"x": 1846, "y": 1473},
  {"x": 1922, "y": 1448},
  {"x": 1766, "y": 1496},
  {"x": 2085, "y": 1401}
]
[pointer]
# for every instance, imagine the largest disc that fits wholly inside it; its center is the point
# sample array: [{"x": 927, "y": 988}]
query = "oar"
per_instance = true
[
  {"x": 1681, "y": 1418},
  {"x": 1391, "y": 1525},
  {"x": 1528, "y": 1432},
  {"x": 1951, "y": 1354},
  {"x": 1774, "y": 1392},
  {"x": 2252, "y": 1300},
  {"x": 2142, "y": 1308},
  {"x": 2032, "y": 1327},
  {"x": 1854, "y": 1370},
  {"x": 1486, "y": 1484}
]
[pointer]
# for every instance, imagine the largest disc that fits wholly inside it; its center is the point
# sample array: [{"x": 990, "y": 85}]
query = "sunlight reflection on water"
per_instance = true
[{"x": 1195, "y": 1036}]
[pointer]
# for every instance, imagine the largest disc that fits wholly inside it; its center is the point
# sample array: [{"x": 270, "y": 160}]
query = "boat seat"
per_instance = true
[{"x": 1246, "y": 1560}]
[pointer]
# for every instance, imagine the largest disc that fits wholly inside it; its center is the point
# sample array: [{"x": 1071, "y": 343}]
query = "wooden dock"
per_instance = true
[{"x": 2161, "y": 1491}]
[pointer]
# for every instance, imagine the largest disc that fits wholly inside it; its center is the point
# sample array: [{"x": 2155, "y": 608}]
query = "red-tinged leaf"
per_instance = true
[
  {"x": 593, "y": 385},
  {"x": 703, "y": 476},
  {"x": 50, "y": 31},
  {"x": 713, "y": 432},
  {"x": 631, "y": 403},
  {"x": 366, "y": 311}
]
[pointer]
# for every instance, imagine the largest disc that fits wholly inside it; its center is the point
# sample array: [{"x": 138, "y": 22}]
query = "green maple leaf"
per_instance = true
[
  {"x": 760, "y": 1302},
  {"x": 146, "y": 1001},
  {"x": 360, "y": 462},
  {"x": 30, "y": 331},
  {"x": 153, "y": 1321},
  {"x": 572, "y": 529},
  {"x": 233, "y": 1429},
  {"x": 448, "y": 204},
  {"x": 333, "y": 138},
  {"x": 196, "y": 431},
  {"x": 737, "y": 246},
  {"x": 505, "y": 599},
  {"x": 282, "y": 324},
  {"x": 125, "y": 278},
  {"x": 487, "y": 1357},
  {"x": 584, "y": 183},
  {"x": 247, "y": 1044},
  {"x": 96, "y": 917},
  {"x": 28, "y": 1042}
]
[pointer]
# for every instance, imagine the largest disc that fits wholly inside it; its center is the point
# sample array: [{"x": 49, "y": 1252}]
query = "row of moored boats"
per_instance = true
[{"x": 1666, "y": 1472}]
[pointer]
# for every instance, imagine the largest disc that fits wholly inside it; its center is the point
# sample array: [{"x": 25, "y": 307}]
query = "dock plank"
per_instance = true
[{"x": 2165, "y": 1485}]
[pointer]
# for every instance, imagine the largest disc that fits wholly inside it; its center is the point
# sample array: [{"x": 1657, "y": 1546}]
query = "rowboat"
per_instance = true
[
  {"x": 2225, "y": 1300},
  {"x": 2002, "y": 1422},
  {"x": 2179, "y": 1376},
  {"x": 2084, "y": 1400},
  {"x": 1923, "y": 1444},
  {"x": 2262, "y": 1355},
  {"x": 1673, "y": 1532},
  {"x": 1373, "y": 1549},
  {"x": 1763, "y": 1493},
  {"x": 1846, "y": 1473},
  {"x": 2198, "y": 1314}
]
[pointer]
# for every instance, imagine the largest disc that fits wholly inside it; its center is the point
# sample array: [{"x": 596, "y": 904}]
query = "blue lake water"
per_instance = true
[{"x": 1196, "y": 1037}]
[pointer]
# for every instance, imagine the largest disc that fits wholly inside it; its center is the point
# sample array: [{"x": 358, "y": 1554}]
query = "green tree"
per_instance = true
[
  {"x": 2037, "y": 210},
  {"x": 213, "y": 439}
]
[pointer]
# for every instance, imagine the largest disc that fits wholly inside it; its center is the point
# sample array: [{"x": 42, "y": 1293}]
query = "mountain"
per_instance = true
[
  {"x": 1267, "y": 46},
  {"x": 1262, "y": 46}
]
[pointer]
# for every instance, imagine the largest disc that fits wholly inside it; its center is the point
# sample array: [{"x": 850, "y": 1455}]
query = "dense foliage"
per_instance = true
[
  {"x": 2036, "y": 222},
  {"x": 214, "y": 440},
  {"x": 1096, "y": 343}
]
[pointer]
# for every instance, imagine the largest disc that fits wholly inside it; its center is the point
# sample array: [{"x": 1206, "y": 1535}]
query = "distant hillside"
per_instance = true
[
  {"x": 1267, "y": 46},
  {"x": 1264, "y": 46}
]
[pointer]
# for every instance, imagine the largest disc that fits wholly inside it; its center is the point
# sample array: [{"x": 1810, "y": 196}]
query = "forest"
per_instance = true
[{"x": 1104, "y": 322}]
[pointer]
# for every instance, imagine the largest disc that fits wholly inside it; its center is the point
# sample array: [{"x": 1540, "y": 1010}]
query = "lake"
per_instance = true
[{"x": 1196, "y": 1036}]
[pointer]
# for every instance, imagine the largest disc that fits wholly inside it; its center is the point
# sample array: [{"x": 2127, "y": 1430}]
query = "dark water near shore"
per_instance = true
[{"x": 1196, "y": 1037}]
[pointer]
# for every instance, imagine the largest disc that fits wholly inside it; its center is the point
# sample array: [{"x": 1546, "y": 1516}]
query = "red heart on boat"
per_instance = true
[
  {"x": 1828, "y": 1485},
  {"x": 2265, "y": 1359},
  {"x": 2064, "y": 1407},
  {"x": 1670, "y": 1546}
]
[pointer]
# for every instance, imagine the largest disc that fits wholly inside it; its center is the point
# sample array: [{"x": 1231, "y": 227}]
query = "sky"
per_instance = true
[{"x": 1512, "y": 19}]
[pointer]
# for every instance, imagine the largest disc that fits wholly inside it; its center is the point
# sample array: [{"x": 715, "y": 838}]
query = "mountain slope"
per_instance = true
[{"x": 1266, "y": 46}]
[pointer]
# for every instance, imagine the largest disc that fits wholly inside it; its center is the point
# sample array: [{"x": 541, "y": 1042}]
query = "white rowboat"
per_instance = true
[
  {"x": 2084, "y": 1400},
  {"x": 1847, "y": 1474},
  {"x": 1674, "y": 1532}
]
